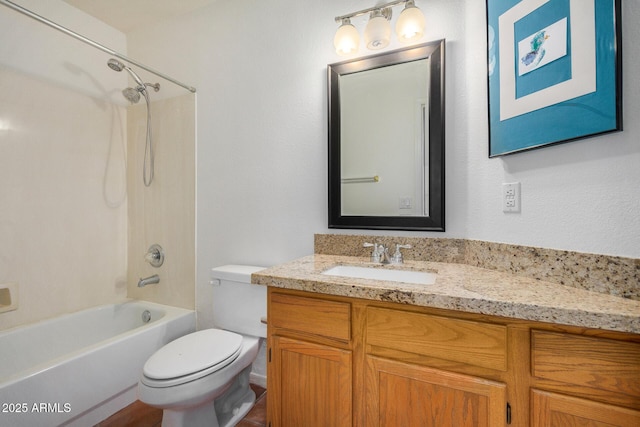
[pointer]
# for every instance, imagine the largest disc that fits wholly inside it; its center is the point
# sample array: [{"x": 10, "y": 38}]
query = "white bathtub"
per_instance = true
[{"x": 77, "y": 369}]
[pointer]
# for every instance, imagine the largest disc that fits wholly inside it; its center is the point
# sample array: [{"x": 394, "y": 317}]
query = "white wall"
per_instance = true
[
  {"x": 260, "y": 71},
  {"x": 41, "y": 51},
  {"x": 582, "y": 196}
]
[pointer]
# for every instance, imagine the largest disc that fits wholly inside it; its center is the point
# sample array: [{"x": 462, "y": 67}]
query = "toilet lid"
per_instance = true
[{"x": 193, "y": 353}]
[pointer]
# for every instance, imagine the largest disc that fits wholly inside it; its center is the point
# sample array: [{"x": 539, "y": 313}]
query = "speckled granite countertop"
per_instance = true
[{"x": 464, "y": 288}]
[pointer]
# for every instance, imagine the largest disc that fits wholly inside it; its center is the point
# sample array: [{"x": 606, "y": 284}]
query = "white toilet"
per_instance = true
[{"x": 202, "y": 379}]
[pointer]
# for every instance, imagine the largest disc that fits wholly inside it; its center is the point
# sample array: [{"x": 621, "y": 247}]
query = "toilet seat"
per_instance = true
[{"x": 191, "y": 357}]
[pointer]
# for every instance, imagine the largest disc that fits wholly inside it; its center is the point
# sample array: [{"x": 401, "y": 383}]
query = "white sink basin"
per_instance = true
[{"x": 405, "y": 276}]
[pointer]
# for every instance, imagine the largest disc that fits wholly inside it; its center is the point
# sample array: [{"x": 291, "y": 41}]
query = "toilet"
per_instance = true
[{"x": 202, "y": 379}]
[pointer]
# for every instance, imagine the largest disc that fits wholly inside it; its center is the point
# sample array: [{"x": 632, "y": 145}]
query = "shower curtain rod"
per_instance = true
[{"x": 90, "y": 42}]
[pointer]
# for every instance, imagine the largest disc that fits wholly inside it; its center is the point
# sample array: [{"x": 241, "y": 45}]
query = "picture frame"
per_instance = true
[{"x": 554, "y": 72}]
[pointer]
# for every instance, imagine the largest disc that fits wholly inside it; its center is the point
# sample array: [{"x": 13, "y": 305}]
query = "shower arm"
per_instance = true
[
  {"x": 155, "y": 86},
  {"x": 90, "y": 42}
]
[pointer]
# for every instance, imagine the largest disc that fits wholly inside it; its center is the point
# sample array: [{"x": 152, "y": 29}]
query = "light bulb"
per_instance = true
[
  {"x": 347, "y": 39},
  {"x": 378, "y": 31},
  {"x": 410, "y": 24}
]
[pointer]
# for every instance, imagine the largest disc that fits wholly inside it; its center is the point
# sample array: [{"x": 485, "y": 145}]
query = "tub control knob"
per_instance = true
[{"x": 155, "y": 255}]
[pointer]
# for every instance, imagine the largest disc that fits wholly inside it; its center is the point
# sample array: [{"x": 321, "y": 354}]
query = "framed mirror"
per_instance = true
[{"x": 387, "y": 140}]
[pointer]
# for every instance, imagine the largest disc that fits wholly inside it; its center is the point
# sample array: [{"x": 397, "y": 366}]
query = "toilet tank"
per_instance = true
[{"x": 238, "y": 305}]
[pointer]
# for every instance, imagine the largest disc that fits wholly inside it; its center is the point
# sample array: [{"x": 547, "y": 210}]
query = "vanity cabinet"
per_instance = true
[
  {"x": 310, "y": 362},
  {"x": 572, "y": 375},
  {"x": 404, "y": 394},
  {"x": 338, "y": 361},
  {"x": 402, "y": 391}
]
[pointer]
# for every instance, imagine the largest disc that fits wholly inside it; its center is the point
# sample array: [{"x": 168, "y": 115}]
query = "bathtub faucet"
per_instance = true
[{"x": 148, "y": 280}]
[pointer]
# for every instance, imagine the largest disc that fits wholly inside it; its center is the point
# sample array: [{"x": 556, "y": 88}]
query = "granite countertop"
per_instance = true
[{"x": 464, "y": 288}]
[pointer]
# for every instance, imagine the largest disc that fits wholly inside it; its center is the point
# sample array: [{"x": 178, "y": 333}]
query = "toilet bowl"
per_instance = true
[{"x": 202, "y": 379}]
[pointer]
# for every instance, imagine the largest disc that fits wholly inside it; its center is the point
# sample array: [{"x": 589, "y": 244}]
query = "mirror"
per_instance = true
[{"x": 386, "y": 140}]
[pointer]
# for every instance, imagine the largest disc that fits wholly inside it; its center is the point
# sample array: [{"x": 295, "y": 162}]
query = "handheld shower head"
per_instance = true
[
  {"x": 132, "y": 95},
  {"x": 118, "y": 66},
  {"x": 115, "y": 65}
]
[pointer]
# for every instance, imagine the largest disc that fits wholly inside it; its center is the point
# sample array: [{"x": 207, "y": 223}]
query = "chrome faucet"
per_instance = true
[
  {"x": 375, "y": 254},
  {"x": 397, "y": 256},
  {"x": 149, "y": 280},
  {"x": 384, "y": 255},
  {"x": 380, "y": 253}
]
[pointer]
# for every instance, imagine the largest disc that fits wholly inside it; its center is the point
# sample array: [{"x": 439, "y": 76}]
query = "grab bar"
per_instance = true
[{"x": 358, "y": 180}]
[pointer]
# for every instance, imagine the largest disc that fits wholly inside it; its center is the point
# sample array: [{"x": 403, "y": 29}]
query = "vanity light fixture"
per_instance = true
[
  {"x": 377, "y": 34},
  {"x": 347, "y": 38},
  {"x": 410, "y": 24}
]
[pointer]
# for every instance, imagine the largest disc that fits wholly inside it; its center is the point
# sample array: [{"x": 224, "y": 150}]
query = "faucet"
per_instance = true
[
  {"x": 380, "y": 253},
  {"x": 397, "y": 256},
  {"x": 148, "y": 280},
  {"x": 375, "y": 254},
  {"x": 384, "y": 255}
]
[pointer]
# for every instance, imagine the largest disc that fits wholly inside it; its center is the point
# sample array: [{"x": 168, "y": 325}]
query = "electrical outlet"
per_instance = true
[
  {"x": 511, "y": 197},
  {"x": 405, "y": 203}
]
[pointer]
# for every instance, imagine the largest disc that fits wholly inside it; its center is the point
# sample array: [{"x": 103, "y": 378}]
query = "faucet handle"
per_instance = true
[
  {"x": 376, "y": 253},
  {"x": 155, "y": 255},
  {"x": 397, "y": 256}
]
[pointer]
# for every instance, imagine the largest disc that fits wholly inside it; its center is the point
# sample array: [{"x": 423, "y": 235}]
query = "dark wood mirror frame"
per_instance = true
[{"x": 434, "y": 221}]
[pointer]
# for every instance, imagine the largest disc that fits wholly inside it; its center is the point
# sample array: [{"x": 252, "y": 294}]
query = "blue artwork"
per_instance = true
[
  {"x": 553, "y": 71},
  {"x": 535, "y": 55}
]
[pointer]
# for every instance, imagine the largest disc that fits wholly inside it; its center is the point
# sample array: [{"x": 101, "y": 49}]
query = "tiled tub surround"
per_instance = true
[{"x": 508, "y": 289}]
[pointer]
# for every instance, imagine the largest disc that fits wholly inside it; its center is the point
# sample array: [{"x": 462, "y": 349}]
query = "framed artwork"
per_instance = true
[{"x": 554, "y": 72}]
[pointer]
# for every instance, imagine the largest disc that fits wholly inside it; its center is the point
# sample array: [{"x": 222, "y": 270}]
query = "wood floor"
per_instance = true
[{"x": 140, "y": 415}]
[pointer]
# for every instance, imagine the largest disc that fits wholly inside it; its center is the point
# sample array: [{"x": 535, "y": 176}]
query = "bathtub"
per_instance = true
[{"x": 77, "y": 369}]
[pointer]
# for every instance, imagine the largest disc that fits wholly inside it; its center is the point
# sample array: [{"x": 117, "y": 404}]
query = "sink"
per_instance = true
[{"x": 405, "y": 276}]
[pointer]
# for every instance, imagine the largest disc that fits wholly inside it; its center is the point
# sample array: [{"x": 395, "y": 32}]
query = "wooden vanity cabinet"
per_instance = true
[
  {"x": 310, "y": 361},
  {"x": 336, "y": 361},
  {"x": 584, "y": 380},
  {"x": 404, "y": 389},
  {"x": 404, "y": 394}
]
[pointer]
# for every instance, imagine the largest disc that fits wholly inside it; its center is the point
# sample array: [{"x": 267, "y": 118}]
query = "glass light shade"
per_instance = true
[
  {"x": 377, "y": 34},
  {"x": 347, "y": 39},
  {"x": 410, "y": 24}
]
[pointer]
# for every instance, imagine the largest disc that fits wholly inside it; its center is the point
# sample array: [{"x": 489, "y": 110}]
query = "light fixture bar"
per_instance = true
[
  {"x": 377, "y": 33},
  {"x": 339, "y": 19}
]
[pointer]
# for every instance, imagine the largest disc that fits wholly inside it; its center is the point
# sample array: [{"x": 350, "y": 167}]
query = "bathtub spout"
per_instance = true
[{"x": 148, "y": 280}]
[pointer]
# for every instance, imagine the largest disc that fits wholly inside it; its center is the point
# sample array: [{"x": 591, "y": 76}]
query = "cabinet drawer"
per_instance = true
[
  {"x": 586, "y": 361},
  {"x": 470, "y": 342},
  {"x": 551, "y": 409},
  {"x": 331, "y": 319}
]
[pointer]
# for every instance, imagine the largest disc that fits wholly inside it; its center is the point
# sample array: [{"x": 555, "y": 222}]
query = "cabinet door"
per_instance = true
[
  {"x": 310, "y": 385},
  {"x": 401, "y": 394},
  {"x": 556, "y": 410},
  {"x": 591, "y": 367}
]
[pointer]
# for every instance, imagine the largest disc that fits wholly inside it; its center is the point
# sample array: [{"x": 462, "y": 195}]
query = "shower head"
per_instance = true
[
  {"x": 115, "y": 65},
  {"x": 118, "y": 66},
  {"x": 132, "y": 95}
]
